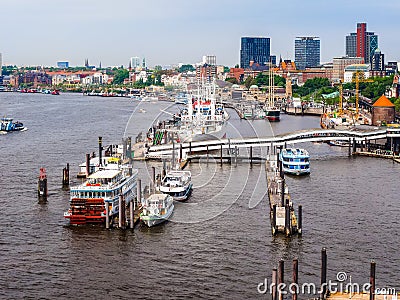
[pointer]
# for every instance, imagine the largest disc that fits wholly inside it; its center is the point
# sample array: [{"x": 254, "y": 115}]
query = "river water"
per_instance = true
[{"x": 218, "y": 245}]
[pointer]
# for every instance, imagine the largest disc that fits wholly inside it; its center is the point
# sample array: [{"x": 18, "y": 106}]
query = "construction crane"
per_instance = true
[{"x": 357, "y": 78}]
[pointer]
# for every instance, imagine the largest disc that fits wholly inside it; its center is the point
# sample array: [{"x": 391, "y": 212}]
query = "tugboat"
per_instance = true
[{"x": 7, "y": 125}]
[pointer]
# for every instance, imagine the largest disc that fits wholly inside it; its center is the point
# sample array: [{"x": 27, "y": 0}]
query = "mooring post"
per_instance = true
[
  {"x": 121, "y": 212},
  {"x": 180, "y": 153},
  {"x": 300, "y": 220},
  {"x": 283, "y": 192},
  {"x": 42, "y": 185},
  {"x": 295, "y": 278},
  {"x": 131, "y": 214},
  {"x": 107, "y": 215},
  {"x": 372, "y": 281},
  {"x": 349, "y": 147},
  {"x": 288, "y": 221},
  {"x": 139, "y": 191},
  {"x": 153, "y": 177},
  {"x": 221, "y": 155},
  {"x": 236, "y": 154},
  {"x": 323, "y": 273},
  {"x": 251, "y": 155},
  {"x": 274, "y": 283},
  {"x": 281, "y": 278},
  {"x": 207, "y": 153},
  {"x": 124, "y": 148},
  {"x": 100, "y": 150},
  {"x": 190, "y": 148},
  {"x": 354, "y": 146},
  {"x": 164, "y": 168},
  {"x": 87, "y": 164},
  {"x": 274, "y": 219}
]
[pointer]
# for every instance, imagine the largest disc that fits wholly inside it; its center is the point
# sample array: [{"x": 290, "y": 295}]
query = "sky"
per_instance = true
[{"x": 168, "y": 32}]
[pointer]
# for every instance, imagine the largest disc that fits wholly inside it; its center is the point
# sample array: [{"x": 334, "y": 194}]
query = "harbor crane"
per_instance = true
[{"x": 357, "y": 78}]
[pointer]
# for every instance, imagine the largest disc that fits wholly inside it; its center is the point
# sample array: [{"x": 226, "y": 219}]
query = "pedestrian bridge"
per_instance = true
[{"x": 309, "y": 135}]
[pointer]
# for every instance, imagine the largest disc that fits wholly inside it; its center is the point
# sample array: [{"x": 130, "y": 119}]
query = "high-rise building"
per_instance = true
[
  {"x": 210, "y": 60},
  {"x": 1, "y": 65},
  {"x": 361, "y": 43},
  {"x": 340, "y": 63},
  {"x": 63, "y": 64},
  {"x": 378, "y": 61},
  {"x": 135, "y": 62},
  {"x": 255, "y": 49},
  {"x": 307, "y": 52}
]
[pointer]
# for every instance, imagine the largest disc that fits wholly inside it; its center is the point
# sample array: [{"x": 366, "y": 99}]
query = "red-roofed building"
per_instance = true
[{"x": 383, "y": 111}]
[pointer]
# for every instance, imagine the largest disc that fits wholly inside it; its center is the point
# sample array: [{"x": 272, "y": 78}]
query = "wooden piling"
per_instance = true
[
  {"x": 87, "y": 164},
  {"x": 100, "y": 150},
  {"x": 300, "y": 220},
  {"x": 354, "y": 146},
  {"x": 42, "y": 185},
  {"x": 153, "y": 177},
  {"x": 283, "y": 192},
  {"x": 323, "y": 273},
  {"x": 107, "y": 215},
  {"x": 190, "y": 148},
  {"x": 236, "y": 154},
  {"x": 131, "y": 214},
  {"x": 121, "y": 211},
  {"x": 372, "y": 281},
  {"x": 139, "y": 191},
  {"x": 251, "y": 156},
  {"x": 274, "y": 219},
  {"x": 281, "y": 277},
  {"x": 274, "y": 283},
  {"x": 65, "y": 180},
  {"x": 181, "y": 152},
  {"x": 221, "y": 155},
  {"x": 295, "y": 278},
  {"x": 288, "y": 221},
  {"x": 349, "y": 147}
]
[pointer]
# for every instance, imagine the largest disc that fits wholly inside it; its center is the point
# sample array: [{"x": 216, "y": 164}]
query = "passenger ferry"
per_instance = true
[
  {"x": 295, "y": 161},
  {"x": 157, "y": 208},
  {"x": 89, "y": 199},
  {"x": 177, "y": 184}
]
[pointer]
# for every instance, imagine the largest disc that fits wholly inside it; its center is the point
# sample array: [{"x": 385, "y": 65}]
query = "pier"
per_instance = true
[{"x": 282, "y": 214}]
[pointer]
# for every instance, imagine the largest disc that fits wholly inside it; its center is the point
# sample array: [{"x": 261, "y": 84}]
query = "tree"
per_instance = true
[
  {"x": 120, "y": 75},
  {"x": 249, "y": 82},
  {"x": 157, "y": 68},
  {"x": 232, "y": 80},
  {"x": 186, "y": 68}
]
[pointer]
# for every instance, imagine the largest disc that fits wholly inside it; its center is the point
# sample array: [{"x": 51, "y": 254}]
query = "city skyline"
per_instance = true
[{"x": 176, "y": 31}]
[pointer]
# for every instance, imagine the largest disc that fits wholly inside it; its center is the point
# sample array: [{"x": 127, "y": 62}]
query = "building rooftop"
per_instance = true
[{"x": 383, "y": 101}]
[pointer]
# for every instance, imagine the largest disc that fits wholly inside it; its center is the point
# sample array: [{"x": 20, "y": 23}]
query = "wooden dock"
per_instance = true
[
  {"x": 379, "y": 154},
  {"x": 282, "y": 214}
]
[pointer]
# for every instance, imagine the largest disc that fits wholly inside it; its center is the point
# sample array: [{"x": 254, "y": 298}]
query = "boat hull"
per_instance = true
[
  {"x": 297, "y": 172},
  {"x": 153, "y": 220},
  {"x": 178, "y": 195}
]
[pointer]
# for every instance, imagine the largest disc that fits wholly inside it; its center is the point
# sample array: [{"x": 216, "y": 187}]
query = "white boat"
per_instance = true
[
  {"x": 272, "y": 112},
  {"x": 177, "y": 184},
  {"x": 157, "y": 208},
  {"x": 203, "y": 118},
  {"x": 8, "y": 125},
  {"x": 295, "y": 161},
  {"x": 88, "y": 200}
]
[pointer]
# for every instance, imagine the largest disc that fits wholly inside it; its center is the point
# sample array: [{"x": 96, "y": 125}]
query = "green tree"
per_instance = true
[
  {"x": 232, "y": 80},
  {"x": 157, "y": 68},
  {"x": 249, "y": 82},
  {"x": 186, "y": 68},
  {"x": 120, "y": 75}
]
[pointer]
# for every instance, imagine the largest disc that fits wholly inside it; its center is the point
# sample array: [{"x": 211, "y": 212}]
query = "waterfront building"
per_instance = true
[
  {"x": 361, "y": 43},
  {"x": 383, "y": 111},
  {"x": 255, "y": 49},
  {"x": 340, "y": 63},
  {"x": 349, "y": 71},
  {"x": 63, "y": 64},
  {"x": 206, "y": 72},
  {"x": 307, "y": 52}
]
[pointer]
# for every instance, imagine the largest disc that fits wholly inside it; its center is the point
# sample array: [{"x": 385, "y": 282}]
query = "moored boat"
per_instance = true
[
  {"x": 295, "y": 161},
  {"x": 88, "y": 200},
  {"x": 177, "y": 184},
  {"x": 157, "y": 208},
  {"x": 272, "y": 112}
]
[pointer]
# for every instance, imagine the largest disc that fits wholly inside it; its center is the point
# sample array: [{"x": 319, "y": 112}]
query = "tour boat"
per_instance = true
[
  {"x": 7, "y": 125},
  {"x": 295, "y": 161},
  {"x": 203, "y": 118},
  {"x": 177, "y": 184},
  {"x": 157, "y": 208},
  {"x": 88, "y": 200}
]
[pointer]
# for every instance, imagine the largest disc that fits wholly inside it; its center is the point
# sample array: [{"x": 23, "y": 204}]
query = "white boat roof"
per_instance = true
[
  {"x": 158, "y": 196},
  {"x": 178, "y": 173},
  {"x": 108, "y": 173}
]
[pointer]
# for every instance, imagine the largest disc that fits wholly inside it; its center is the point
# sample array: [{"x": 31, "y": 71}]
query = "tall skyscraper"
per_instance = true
[
  {"x": 307, "y": 52},
  {"x": 255, "y": 49},
  {"x": 135, "y": 62},
  {"x": 361, "y": 43},
  {"x": 210, "y": 60},
  {"x": 378, "y": 61}
]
